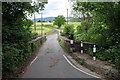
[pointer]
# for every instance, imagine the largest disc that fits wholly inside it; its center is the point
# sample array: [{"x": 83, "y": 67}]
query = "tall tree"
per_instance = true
[
  {"x": 59, "y": 21},
  {"x": 16, "y": 32},
  {"x": 105, "y": 28}
]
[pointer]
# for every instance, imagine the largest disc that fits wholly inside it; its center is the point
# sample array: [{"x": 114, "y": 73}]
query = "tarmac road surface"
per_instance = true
[{"x": 50, "y": 63}]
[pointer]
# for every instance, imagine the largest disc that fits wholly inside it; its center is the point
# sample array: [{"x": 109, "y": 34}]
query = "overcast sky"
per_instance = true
[{"x": 55, "y": 8}]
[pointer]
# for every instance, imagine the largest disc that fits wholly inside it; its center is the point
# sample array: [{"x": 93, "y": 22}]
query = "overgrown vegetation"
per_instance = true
[
  {"x": 68, "y": 30},
  {"x": 61, "y": 43},
  {"x": 79, "y": 60},
  {"x": 16, "y": 33},
  {"x": 100, "y": 24}
]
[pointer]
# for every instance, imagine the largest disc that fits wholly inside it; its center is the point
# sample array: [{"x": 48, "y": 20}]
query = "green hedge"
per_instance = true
[{"x": 14, "y": 56}]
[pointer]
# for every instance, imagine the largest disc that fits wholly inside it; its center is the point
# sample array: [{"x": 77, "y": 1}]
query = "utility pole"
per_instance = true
[
  {"x": 41, "y": 25},
  {"x": 67, "y": 16},
  {"x": 34, "y": 21},
  {"x": 34, "y": 24}
]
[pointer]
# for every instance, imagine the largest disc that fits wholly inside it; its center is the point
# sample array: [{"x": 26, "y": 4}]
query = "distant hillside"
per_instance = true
[
  {"x": 70, "y": 19},
  {"x": 45, "y": 19}
]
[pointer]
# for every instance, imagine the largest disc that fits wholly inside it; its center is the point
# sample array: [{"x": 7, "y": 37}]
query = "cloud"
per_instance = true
[{"x": 55, "y": 8}]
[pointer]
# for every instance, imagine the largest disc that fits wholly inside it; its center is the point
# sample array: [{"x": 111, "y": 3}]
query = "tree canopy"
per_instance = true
[
  {"x": 59, "y": 21},
  {"x": 100, "y": 23},
  {"x": 16, "y": 32}
]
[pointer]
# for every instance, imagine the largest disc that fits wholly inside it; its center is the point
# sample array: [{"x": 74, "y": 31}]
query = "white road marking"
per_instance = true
[
  {"x": 78, "y": 68},
  {"x": 33, "y": 60}
]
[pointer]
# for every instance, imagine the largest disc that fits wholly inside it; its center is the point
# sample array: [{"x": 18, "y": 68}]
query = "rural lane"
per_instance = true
[{"x": 50, "y": 63}]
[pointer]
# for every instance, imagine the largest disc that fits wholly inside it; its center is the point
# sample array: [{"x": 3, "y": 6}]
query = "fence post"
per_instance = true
[
  {"x": 32, "y": 47},
  {"x": 81, "y": 45},
  {"x": 72, "y": 42},
  {"x": 42, "y": 40},
  {"x": 45, "y": 35},
  {"x": 94, "y": 52},
  {"x": 58, "y": 33},
  {"x": 61, "y": 32}
]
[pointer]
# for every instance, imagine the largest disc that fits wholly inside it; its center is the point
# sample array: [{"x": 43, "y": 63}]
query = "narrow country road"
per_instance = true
[{"x": 50, "y": 63}]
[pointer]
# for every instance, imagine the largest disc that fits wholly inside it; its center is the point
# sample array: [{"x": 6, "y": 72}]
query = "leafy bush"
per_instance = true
[
  {"x": 80, "y": 36},
  {"x": 12, "y": 57},
  {"x": 17, "y": 34},
  {"x": 68, "y": 30},
  {"x": 89, "y": 51},
  {"x": 104, "y": 29}
]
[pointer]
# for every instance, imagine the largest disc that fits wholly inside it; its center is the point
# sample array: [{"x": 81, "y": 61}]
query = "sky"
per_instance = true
[{"x": 55, "y": 8}]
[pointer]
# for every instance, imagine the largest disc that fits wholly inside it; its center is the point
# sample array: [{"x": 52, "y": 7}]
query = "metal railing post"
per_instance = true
[
  {"x": 81, "y": 45},
  {"x": 94, "y": 52}
]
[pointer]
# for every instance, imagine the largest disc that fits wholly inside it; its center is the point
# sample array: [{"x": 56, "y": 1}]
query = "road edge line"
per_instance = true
[
  {"x": 33, "y": 60},
  {"x": 78, "y": 68}
]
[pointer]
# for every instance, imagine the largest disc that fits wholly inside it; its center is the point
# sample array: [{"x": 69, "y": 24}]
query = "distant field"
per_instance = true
[
  {"x": 47, "y": 27},
  {"x": 74, "y": 23}
]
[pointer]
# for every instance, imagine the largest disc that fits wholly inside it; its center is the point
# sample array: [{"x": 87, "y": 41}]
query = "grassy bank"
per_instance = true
[{"x": 46, "y": 27}]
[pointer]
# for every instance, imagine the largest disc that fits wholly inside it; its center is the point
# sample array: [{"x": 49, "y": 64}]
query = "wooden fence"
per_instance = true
[{"x": 76, "y": 44}]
